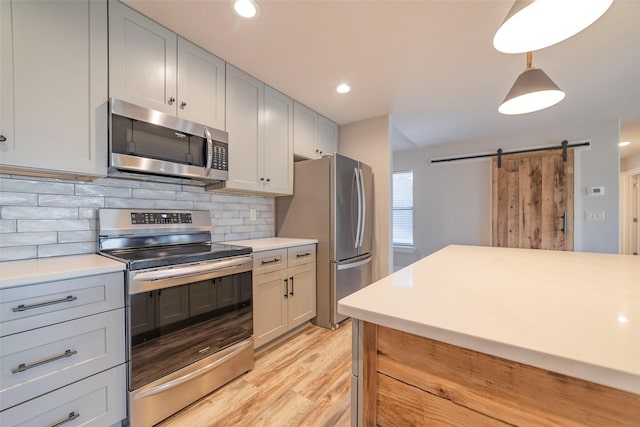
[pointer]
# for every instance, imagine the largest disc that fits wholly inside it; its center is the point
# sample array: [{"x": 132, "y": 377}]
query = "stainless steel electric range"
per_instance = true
[{"x": 189, "y": 307}]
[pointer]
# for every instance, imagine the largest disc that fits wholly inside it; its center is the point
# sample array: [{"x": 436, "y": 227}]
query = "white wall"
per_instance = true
[
  {"x": 452, "y": 202},
  {"x": 370, "y": 142},
  {"x": 41, "y": 217},
  {"x": 631, "y": 162}
]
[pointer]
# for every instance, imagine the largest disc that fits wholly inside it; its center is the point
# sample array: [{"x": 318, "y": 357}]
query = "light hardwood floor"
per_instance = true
[{"x": 304, "y": 381}]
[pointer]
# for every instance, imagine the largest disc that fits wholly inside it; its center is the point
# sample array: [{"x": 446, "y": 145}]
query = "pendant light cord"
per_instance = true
[{"x": 529, "y": 61}]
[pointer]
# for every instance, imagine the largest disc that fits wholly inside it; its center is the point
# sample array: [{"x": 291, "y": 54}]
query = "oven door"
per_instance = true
[{"x": 181, "y": 314}]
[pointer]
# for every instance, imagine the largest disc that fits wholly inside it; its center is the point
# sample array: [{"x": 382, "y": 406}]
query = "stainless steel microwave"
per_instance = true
[{"x": 150, "y": 145}]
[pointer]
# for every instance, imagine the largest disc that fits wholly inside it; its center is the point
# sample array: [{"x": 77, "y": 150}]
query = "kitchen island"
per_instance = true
[{"x": 498, "y": 336}]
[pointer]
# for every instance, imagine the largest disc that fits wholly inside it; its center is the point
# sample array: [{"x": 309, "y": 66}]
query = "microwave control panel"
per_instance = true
[{"x": 220, "y": 156}]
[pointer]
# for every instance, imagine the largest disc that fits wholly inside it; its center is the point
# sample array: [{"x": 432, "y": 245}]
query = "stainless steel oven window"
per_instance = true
[{"x": 173, "y": 327}]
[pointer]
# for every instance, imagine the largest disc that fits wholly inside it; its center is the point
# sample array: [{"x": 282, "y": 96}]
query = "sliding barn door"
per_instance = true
[{"x": 533, "y": 201}]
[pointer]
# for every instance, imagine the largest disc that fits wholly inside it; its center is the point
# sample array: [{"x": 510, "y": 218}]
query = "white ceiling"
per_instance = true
[{"x": 430, "y": 64}]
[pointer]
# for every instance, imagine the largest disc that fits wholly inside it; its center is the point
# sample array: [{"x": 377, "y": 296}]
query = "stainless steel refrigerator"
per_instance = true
[{"x": 332, "y": 202}]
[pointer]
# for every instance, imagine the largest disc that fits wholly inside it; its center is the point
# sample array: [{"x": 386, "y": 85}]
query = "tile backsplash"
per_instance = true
[{"x": 41, "y": 217}]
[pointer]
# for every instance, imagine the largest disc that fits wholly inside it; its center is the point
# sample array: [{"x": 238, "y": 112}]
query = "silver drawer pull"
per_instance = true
[
  {"x": 23, "y": 307},
  {"x": 303, "y": 255},
  {"x": 72, "y": 416},
  {"x": 24, "y": 366},
  {"x": 271, "y": 261}
]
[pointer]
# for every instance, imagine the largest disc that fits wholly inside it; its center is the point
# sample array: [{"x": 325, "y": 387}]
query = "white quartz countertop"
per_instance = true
[
  {"x": 573, "y": 313},
  {"x": 24, "y": 272},
  {"x": 269, "y": 243}
]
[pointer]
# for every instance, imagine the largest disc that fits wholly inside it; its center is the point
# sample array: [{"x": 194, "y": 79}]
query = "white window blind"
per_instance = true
[{"x": 403, "y": 208}]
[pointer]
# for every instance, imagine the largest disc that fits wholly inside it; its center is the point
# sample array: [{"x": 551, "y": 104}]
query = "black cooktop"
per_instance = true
[{"x": 161, "y": 256}]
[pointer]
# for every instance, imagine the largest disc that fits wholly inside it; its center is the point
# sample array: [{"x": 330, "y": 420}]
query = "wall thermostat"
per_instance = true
[{"x": 595, "y": 191}]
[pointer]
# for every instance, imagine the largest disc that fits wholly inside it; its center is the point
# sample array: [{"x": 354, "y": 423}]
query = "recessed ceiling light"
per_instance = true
[
  {"x": 343, "y": 88},
  {"x": 624, "y": 143},
  {"x": 245, "y": 8}
]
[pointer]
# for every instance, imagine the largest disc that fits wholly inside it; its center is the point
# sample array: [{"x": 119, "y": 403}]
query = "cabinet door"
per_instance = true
[
  {"x": 245, "y": 121},
  {"x": 200, "y": 85},
  {"x": 302, "y": 294},
  {"x": 327, "y": 136},
  {"x": 269, "y": 306},
  {"x": 305, "y": 122},
  {"x": 172, "y": 305},
  {"x": 278, "y": 142},
  {"x": 142, "y": 60},
  {"x": 53, "y": 85}
]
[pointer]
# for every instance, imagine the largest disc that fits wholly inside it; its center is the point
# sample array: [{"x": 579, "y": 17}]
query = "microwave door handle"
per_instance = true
[{"x": 207, "y": 168}]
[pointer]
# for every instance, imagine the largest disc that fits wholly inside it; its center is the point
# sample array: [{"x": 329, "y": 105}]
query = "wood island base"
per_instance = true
[{"x": 411, "y": 380}]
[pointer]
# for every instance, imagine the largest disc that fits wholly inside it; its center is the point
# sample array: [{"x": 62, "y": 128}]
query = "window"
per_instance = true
[{"x": 403, "y": 208}]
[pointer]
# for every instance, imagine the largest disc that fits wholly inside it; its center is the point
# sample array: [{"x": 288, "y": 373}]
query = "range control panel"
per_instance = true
[{"x": 161, "y": 218}]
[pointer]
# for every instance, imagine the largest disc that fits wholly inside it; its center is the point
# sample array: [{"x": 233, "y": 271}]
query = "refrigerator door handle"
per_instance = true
[
  {"x": 359, "y": 197},
  {"x": 358, "y": 263},
  {"x": 363, "y": 210}
]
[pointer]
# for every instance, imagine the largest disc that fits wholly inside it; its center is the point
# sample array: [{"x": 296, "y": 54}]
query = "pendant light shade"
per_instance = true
[
  {"x": 532, "y": 91},
  {"x": 534, "y": 24}
]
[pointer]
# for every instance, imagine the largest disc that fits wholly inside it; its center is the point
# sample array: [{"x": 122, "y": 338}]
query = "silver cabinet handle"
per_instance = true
[
  {"x": 303, "y": 255},
  {"x": 24, "y": 366},
  {"x": 2, "y": 138},
  {"x": 207, "y": 134},
  {"x": 271, "y": 261},
  {"x": 23, "y": 307},
  {"x": 72, "y": 416},
  {"x": 564, "y": 223},
  {"x": 171, "y": 100},
  {"x": 183, "y": 105}
]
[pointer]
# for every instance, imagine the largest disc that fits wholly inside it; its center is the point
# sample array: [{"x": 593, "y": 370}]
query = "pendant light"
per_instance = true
[
  {"x": 532, "y": 91},
  {"x": 534, "y": 24}
]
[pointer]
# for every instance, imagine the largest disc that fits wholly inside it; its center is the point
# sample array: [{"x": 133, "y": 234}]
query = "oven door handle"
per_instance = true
[{"x": 176, "y": 273}]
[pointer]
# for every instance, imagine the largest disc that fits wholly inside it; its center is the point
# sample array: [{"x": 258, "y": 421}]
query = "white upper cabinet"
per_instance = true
[
  {"x": 53, "y": 86},
  {"x": 313, "y": 134},
  {"x": 327, "y": 138},
  {"x": 245, "y": 122},
  {"x": 278, "y": 142},
  {"x": 260, "y": 126},
  {"x": 201, "y": 92},
  {"x": 305, "y": 124},
  {"x": 151, "y": 66}
]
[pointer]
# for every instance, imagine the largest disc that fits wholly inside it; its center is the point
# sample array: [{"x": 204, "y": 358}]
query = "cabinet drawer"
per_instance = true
[
  {"x": 267, "y": 261},
  {"x": 301, "y": 255},
  {"x": 99, "y": 400},
  {"x": 35, "y": 362},
  {"x": 33, "y": 306}
]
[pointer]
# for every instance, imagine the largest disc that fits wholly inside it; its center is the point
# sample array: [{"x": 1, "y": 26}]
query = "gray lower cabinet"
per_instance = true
[
  {"x": 62, "y": 352},
  {"x": 284, "y": 291}
]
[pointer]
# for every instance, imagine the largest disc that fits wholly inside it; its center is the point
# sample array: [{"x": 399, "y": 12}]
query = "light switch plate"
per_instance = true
[
  {"x": 594, "y": 215},
  {"x": 252, "y": 214}
]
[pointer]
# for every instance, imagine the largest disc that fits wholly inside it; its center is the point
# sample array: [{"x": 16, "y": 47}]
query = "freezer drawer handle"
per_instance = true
[
  {"x": 72, "y": 416},
  {"x": 354, "y": 264},
  {"x": 23, "y": 307},
  {"x": 271, "y": 261},
  {"x": 24, "y": 366},
  {"x": 303, "y": 255}
]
